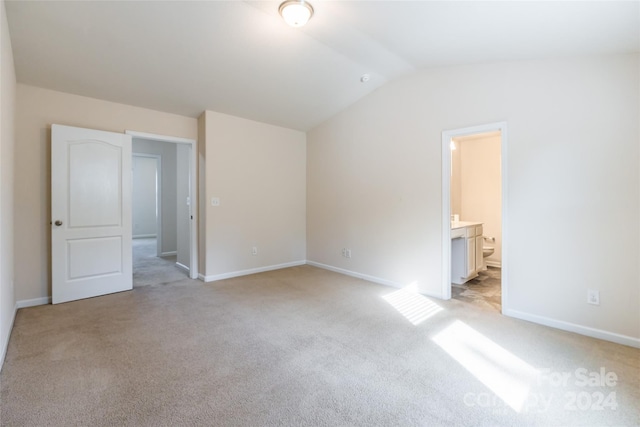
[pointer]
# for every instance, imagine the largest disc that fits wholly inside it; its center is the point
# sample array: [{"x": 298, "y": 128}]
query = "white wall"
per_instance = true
[
  {"x": 7, "y": 143},
  {"x": 36, "y": 110},
  {"x": 168, "y": 181},
  {"x": 258, "y": 172},
  {"x": 476, "y": 168},
  {"x": 144, "y": 194},
  {"x": 374, "y": 183}
]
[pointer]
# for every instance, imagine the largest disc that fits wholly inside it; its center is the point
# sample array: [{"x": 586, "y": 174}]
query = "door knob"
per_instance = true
[{"x": 58, "y": 223}]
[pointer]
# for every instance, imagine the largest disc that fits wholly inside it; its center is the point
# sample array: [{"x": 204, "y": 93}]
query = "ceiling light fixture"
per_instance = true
[{"x": 296, "y": 12}]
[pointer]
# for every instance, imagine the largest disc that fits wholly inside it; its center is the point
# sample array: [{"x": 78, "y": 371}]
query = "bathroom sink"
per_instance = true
[{"x": 461, "y": 224}]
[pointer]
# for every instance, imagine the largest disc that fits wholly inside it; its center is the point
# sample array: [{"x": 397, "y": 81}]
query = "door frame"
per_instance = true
[
  {"x": 193, "y": 190},
  {"x": 447, "y": 135}
]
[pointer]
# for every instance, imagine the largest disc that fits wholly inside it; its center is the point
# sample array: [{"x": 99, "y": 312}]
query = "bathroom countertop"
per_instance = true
[{"x": 461, "y": 224}]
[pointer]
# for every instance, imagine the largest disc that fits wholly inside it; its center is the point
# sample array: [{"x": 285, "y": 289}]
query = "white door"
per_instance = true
[{"x": 90, "y": 212}]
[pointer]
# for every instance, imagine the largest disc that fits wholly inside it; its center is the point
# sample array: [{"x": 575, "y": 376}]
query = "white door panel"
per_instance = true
[
  {"x": 95, "y": 188},
  {"x": 91, "y": 213},
  {"x": 94, "y": 257}
]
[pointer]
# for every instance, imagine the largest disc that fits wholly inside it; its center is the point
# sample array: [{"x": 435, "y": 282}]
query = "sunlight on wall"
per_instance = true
[
  {"x": 508, "y": 376},
  {"x": 412, "y": 305}
]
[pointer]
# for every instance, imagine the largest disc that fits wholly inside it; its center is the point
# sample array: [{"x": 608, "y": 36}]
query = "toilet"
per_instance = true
[{"x": 487, "y": 251}]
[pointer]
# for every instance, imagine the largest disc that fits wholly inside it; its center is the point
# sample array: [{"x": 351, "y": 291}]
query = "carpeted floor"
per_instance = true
[
  {"x": 149, "y": 269},
  {"x": 485, "y": 291},
  {"x": 303, "y": 347}
]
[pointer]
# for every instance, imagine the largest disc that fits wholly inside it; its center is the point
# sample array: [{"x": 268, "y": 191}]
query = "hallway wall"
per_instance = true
[{"x": 143, "y": 200}]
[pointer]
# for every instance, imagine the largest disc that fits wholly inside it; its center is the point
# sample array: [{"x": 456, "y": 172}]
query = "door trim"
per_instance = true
[
  {"x": 447, "y": 135},
  {"x": 193, "y": 190}
]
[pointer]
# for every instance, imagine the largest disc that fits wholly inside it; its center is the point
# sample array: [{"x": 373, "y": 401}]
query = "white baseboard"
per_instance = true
[
  {"x": 572, "y": 327},
  {"x": 496, "y": 264},
  {"x": 182, "y": 267},
  {"x": 144, "y": 236},
  {"x": 355, "y": 274},
  {"x": 373, "y": 279},
  {"x": 222, "y": 276},
  {"x": 170, "y": 253},
  {"x": 33, "y": 302}
]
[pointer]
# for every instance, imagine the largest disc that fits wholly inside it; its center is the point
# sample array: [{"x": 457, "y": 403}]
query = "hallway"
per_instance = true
[{"x": 149, "y": 269}]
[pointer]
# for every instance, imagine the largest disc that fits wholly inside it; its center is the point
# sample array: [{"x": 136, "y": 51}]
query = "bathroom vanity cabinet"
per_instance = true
[{"x": 466, "y": 251}]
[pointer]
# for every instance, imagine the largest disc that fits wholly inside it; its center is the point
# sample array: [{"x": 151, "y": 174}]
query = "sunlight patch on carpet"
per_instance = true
[
  {"x": 505, "y": 374},
  {"x": 416, "y": 308}
]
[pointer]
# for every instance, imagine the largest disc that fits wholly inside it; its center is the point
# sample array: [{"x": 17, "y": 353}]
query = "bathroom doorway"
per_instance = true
[
  {"x": 476, "y": 198},
  {"x": 474, "y": 208}
]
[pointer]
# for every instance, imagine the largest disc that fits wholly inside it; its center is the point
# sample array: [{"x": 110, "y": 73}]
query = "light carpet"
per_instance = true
[
  {"x": 150, "y": 269},
  {"x": 301, "y": 347}
]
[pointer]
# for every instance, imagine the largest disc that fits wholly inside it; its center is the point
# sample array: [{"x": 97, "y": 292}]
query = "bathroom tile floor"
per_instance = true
[{"x": 483, "y": 291}]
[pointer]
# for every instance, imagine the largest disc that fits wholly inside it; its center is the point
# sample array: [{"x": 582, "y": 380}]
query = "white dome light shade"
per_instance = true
[{"x": 296, "y": 12}]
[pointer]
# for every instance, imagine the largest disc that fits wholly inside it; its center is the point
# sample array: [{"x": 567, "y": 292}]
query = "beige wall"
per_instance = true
[
  {"x": 258, "y": 172},
  {"x": 374, "y": 183},
  {"x": 7, "y": 144},
  {"x": 36, "y": 110},
  {"x": 476, "y": 168}
]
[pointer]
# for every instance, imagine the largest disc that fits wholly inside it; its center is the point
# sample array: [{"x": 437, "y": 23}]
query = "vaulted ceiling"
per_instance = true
[{"x": 239, "y": 57}]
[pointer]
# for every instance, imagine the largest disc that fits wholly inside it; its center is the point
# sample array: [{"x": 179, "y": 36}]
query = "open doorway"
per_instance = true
[
  {"x": 155, "y": 213},
  {"x": 474, "y": 221},
  {"x": 164, "y": 243},
  {"x": 476, "y": 211}
]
